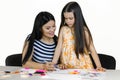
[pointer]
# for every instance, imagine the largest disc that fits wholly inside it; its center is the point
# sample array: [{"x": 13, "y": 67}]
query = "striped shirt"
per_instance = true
[{"x": 43, "y": 52}]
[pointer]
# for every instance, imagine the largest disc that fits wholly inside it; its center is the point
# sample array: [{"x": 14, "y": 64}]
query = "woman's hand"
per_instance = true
[{"x": 49, "y": 66}]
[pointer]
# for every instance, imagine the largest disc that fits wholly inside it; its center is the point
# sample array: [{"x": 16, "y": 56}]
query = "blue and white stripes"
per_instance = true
[{"x": 43, "y": 52}]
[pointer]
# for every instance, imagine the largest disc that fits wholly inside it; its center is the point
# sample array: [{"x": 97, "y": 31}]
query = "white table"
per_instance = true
[{"x": 60, "y": 75}]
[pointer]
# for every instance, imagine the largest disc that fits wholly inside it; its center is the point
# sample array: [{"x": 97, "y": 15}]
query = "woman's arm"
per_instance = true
[
  {"x": 30, "y": 63},
  {"x": 58, "y": 48}
]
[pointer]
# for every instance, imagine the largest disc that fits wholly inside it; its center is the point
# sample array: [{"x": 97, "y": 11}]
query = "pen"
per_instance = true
[{"x": 55, "y": 65}]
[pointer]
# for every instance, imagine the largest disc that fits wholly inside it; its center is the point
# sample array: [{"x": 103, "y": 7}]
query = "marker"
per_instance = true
[
  {"x": 56, "y": 67},
  {"x": 7, "y": 71}
]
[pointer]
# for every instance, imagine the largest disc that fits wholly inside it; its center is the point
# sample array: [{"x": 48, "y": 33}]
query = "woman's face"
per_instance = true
[
  {"x": 48, "y": 29},
  {"x": 69, "y": 18}
]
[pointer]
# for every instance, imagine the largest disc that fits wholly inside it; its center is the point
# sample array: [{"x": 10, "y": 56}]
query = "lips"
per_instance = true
[{"x": 52, "y": 34}]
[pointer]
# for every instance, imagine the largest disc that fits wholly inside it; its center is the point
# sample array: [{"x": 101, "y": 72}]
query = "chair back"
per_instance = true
[
  {"x": 14, "y": 60},
  {"x": 107, "y": 61}
]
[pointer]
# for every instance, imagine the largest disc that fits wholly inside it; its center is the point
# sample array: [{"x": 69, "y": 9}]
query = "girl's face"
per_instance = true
[
  {"x": 48, "y": 29},
  {"x": 69, "y": 18}
]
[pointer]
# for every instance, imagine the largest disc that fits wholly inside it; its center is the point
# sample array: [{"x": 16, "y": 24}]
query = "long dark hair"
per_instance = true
[
  {"x": 41, "y": 19},
  {"x": 79, "y": 27}
]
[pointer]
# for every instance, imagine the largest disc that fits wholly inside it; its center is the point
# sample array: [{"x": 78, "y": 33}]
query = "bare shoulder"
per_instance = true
[
  {"x": 85, "y": 30},
  {"x": 87, "y": 34},
  {"x": 25, "y": 47},
  {"x": 63, "y": 27}
]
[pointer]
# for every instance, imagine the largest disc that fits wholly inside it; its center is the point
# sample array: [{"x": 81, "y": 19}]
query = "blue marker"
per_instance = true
[{"x": 56, "y": 67}]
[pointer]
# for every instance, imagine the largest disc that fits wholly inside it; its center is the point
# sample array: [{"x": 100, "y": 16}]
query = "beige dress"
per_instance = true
[{"x": 68, "y": 56}]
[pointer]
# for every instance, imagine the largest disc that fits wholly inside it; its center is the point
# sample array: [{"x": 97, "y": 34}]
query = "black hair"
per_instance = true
[
  {"x": 41, "y": 19},
  {"x": 79, "y": 27}
]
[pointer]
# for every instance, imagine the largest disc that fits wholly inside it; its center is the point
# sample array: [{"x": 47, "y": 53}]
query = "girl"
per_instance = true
[
  {"x": 40, "y": 44},
  {"x": 75, "y": 41}
]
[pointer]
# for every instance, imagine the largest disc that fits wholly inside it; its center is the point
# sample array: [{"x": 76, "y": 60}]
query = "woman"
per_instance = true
[{"x": 39, "y": 46}]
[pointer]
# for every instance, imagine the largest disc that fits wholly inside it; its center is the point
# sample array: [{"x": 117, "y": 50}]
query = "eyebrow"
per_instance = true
[{"x": 69, "y": 17}]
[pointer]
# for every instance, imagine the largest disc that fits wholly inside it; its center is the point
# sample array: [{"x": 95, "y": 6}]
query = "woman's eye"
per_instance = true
[{"x": 48, "y": 28}]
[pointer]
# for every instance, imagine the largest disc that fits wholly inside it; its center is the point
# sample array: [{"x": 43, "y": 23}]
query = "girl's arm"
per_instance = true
[
  {"x": 95, "y": 55},
  {"x": 58, "y": 48},
  {"x": 96, "y": 58},
  {"x": 93, "y": 51}
]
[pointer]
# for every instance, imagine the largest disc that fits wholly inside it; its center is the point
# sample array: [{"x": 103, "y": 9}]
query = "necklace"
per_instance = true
[{"x": 47, "y": 41}]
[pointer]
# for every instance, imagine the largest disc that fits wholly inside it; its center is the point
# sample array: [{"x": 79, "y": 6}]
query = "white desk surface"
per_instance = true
[{"x": 60, "y": 75}]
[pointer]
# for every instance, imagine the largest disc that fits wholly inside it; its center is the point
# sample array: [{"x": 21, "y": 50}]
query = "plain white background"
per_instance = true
[{"x": 17, "y": 18}]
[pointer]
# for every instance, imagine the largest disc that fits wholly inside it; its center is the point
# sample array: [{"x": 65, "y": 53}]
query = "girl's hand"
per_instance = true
[
  {"x": 100, "y": 69},
  {"x": 62, "y": 66}
]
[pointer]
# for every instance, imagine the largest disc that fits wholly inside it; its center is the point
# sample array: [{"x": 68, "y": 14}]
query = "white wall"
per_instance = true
[{"x": 17, "y": 18}]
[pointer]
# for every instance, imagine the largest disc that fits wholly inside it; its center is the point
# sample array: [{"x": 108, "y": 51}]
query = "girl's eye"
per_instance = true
[
  {"x": 66, "y": 18},
  {"x": 70, "y": 18}
]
